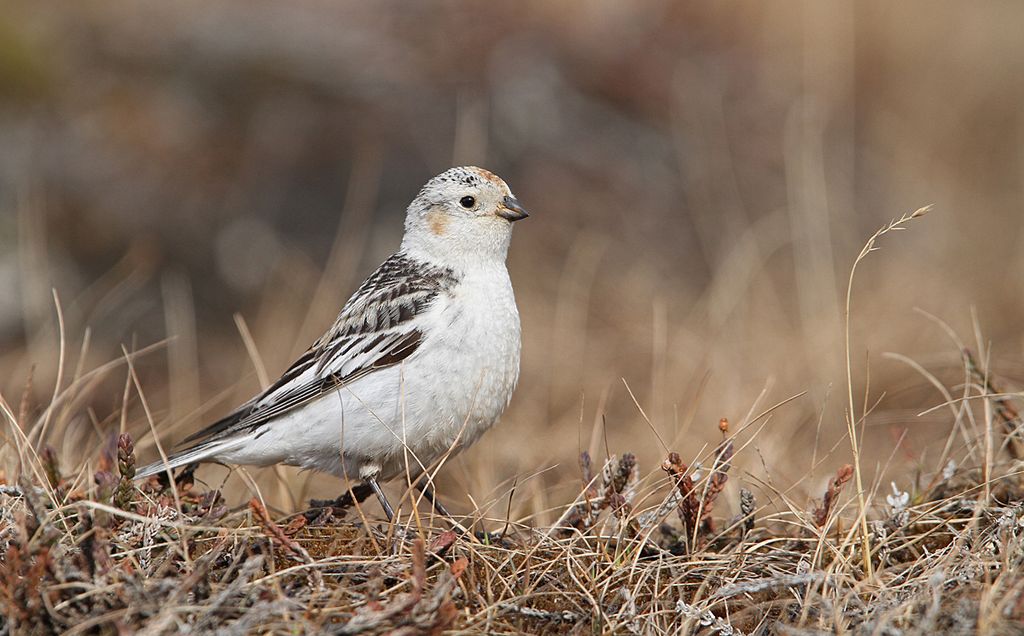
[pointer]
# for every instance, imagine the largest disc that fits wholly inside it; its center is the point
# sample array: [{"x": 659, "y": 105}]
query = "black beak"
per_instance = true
[{"x": 511, "y": 210}]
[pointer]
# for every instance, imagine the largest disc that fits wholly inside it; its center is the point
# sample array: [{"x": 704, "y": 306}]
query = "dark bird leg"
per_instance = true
[
  {"x": 184, "y": 476},
  {"x": 423, "y": 485},
  {"x": 358, "y": 493},
  {"x": 388, "y": 512}
]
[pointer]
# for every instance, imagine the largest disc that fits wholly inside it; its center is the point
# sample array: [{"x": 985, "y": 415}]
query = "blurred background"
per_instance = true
[{"x": 701, "y": 176}]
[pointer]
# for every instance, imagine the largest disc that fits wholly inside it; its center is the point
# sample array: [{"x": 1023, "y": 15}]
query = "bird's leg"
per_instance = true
[
  {"x": 357, "y": 493},
  {"x": 388, "y": 512},
  {"x": 423, "y": 485},
  {"x": 185, "y": 475}
]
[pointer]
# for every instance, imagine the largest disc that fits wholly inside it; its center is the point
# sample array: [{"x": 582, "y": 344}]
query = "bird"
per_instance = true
[{"x": 420, "y": 362}]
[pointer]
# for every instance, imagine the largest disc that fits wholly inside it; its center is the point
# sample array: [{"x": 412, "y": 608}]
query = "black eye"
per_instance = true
[{"x": 467, "y": 202}]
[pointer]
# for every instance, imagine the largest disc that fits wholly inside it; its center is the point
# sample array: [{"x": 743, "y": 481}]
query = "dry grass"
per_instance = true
[{"x": 85, "y": 549}]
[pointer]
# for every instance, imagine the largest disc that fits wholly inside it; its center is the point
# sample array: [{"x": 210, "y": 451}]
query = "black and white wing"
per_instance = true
[{"x": 377, "y": 328}]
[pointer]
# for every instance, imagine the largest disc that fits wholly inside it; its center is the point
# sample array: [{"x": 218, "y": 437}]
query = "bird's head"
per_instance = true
[{"x": 461, "y": 215}]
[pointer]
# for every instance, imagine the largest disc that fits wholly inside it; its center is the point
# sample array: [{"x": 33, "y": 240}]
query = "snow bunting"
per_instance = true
[{"x": 421, "y": 361}]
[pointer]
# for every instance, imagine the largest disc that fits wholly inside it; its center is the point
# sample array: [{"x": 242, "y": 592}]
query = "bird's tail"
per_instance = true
[{"x": 205, "y": 451}]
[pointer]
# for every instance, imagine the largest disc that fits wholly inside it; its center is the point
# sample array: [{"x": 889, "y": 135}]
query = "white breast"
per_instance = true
[
  {"x": 443, "y": 397},
  {"x": 459, "y": 384}
]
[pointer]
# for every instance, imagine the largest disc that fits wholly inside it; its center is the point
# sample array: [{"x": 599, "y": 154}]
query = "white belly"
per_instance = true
[{"x": 440, "y": 399}]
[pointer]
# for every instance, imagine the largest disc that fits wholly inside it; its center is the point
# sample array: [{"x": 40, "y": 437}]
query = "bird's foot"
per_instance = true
[{"x": 340, "y": 504}]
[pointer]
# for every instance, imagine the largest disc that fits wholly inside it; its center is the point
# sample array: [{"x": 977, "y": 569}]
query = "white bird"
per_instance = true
[{"x": 421, "y": 361}]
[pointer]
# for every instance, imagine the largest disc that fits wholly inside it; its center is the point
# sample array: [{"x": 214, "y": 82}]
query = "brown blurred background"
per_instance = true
[{"x": 701, "y": 177}]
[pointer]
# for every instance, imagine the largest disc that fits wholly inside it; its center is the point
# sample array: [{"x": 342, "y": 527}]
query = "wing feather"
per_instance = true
[{"x": 377, "y": 328}]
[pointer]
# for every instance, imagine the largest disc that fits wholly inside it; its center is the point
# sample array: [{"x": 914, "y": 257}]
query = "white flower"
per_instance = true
[
  {"x": 949, "y": 470},
  {"x": 898, "y": 501}
]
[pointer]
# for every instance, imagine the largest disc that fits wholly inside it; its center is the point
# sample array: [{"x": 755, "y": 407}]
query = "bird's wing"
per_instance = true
[{"x": 381, "y": 325}]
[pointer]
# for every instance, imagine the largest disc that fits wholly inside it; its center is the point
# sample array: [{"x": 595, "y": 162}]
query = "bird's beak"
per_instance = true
[{"x": 511, "y": 210}]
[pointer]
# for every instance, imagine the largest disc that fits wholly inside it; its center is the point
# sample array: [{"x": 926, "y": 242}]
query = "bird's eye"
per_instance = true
[{"x": 467, "y": 202}]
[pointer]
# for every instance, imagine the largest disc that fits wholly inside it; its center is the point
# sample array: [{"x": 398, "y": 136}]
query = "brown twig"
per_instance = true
[
  {"x": 51, "y": 467},
  {"x": 716, "y": 481},
  {"x": 276, "y": 533},
  {"x": 612, "y": 491},
  {"x": 689, "y": 506},
  {"x": 835, "y": 486},
  {"x": 126, "y": 466},
  {"x": 747, "y": 507}
]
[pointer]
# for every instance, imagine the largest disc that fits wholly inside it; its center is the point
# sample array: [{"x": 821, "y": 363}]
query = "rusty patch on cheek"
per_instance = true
[{"x": 438, "y": 222}]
